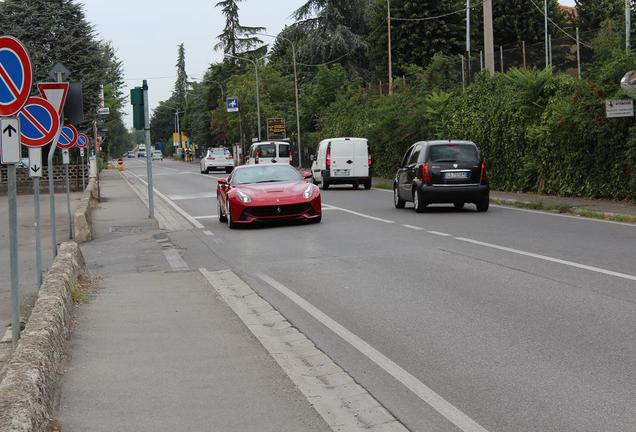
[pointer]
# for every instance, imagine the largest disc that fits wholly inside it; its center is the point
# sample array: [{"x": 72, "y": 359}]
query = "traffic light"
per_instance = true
[{"x": 137, "y": 101}]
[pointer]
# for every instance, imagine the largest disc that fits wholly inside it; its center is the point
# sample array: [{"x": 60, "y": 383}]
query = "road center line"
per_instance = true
[
  {"x": 359, "y": 214},
  {"x": 437, "y": 233},
  {"x": 413, "y": 227},
  {"x": 547, "y": 258},
  {"x": 426, "y": 394}
]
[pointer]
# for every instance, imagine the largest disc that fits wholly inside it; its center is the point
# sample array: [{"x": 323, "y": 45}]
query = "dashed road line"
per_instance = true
[
  {"x": 425, "y": 393},
  {"x": 440, "y": 234},
  {"x": 547, "y": 258},
  {"x": 366, "y": 216},
  {"x": 208, "y": 233},
  {"x": 188, "y": 197},
  {"x": 206, "y": 217},
  {"x": 414, "y": 228}
]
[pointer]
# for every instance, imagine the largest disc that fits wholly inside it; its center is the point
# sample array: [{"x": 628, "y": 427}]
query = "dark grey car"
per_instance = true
[{"x": 434, "y": 172}]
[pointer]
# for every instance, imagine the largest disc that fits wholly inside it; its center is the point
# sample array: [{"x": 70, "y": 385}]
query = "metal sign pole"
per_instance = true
[
  {"x": 13, "y": 241},
  {"x": 83, "y": 175},
  {"x": 65, "y": 156},
  {"x": 35, "y": 172},
  {"x": 59, "y": 78},
  {"x": 151, "y": 192}
]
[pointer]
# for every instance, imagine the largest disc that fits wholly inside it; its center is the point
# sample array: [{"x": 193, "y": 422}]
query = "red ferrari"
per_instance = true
[{"x": 257, "y": 193}]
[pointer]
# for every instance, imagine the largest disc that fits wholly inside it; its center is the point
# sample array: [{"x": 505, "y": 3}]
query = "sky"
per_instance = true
[{"x": 146, "y": 35}]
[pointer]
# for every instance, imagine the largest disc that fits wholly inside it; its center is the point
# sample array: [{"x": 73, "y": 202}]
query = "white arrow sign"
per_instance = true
[
  {"x": 66, "y": 159},
  {"x": 10, "y": 129},
  {"x": 35, "y": 161}
]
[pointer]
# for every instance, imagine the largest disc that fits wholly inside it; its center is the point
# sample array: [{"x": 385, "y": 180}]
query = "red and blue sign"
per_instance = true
[
  {"x": 16, "y": 76},
  {"x": 82, "y": 141},
  {"x": 39, "y": 122},
  {"x": 68, "y": 136}
]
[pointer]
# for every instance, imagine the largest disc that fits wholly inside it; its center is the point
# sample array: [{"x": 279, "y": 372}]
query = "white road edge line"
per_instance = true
[
  {"x": 171, "y": 203},
  {"x": 359, "y": 214},
  {"x": 437, "y": 233},
  {"x": 547, "y": 258},
  {"x": 425, "y": 393},
  {"x": 206, "y": 217},
  {"x": 413, "y": 227}
]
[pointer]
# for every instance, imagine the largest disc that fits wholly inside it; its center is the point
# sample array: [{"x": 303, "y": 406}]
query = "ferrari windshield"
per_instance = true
[{"x": 265, "y": 174}]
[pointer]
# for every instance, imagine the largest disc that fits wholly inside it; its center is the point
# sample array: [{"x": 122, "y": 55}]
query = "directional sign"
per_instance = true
[
  {"x": 232, "y": 104},
  {"x": 56, "y": 93},
  {"x": 66, "y": 158},
  {"x": 68, "y": 136},
  {"x": 16, "y": 76},
  {"x": 82, "y": 141},
  {"x": 10, "y": 128},
  {"x": 35, "y": 162},
  {"x": 81, "y": 152},
  {"x": 39, "y": 122},
  {"x": 59, "y": 68}
]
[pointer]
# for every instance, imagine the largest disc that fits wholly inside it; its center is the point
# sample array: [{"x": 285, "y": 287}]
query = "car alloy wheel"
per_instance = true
[
  {"x": 399, "y": 203},
  {"x": 417, "y": 202},
  {"x": 222, "y": 217}
]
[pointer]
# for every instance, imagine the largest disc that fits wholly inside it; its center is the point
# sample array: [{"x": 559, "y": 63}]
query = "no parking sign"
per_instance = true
[
  {"x": 82, "y": 141},
  {"x": 16, "y": 76},
  {"x": 68, "y": 136},
  {"x": 39, "y": 122}
]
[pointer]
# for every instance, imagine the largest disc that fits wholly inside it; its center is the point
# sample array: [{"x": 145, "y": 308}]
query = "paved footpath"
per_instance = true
[{"x": 157, "y": 350}]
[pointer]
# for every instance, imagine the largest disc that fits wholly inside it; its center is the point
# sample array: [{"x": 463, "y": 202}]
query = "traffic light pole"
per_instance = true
[{"x": 151, "y": 191}]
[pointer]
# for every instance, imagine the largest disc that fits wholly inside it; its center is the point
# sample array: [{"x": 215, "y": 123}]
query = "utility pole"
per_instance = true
[
  {"x": 468, "y": 41},
  {"x": 628, "y": 26},
  {"x": 489, "y": 38},
  {"x": 388, "y": 19},
  {"x": 547, "y": 40},
  {"x": 258, "y": 94}
]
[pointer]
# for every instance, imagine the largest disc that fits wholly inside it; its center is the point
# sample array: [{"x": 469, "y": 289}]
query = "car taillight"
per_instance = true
[
  {"x": 425, "y": 174},
  {"x": 483, "y": 179},
  {"x": 228, "y": 157},
  {"x": 328, "y": 158},
  {"x": 210, "y": 158}
]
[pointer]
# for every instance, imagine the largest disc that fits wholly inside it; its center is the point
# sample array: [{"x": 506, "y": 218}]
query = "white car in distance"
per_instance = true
[{"x": 217, "y": 159}]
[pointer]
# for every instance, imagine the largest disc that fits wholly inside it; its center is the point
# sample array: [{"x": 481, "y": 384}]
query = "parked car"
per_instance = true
[
  {"x": 343, "y": 161},
  {"x": 130, "y": 155},
  {"x": 157, "y": 155},
  {"x": 442, "y": 172},
  {"x": 269, "y": 152},
  {"x": 267, "y": 192},
  {"x": 217, "y": 159}
]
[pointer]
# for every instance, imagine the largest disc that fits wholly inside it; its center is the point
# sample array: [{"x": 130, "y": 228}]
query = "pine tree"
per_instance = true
[
  {"x": 236, "y": 39},
  {"x": 592, "y": 13},
  {"x": 181, "y": 85}
]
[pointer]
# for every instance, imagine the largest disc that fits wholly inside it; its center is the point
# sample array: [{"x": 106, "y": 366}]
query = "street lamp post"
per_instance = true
[
  {"x": 258, "y": 95},
  {"x": 293, "y": 45}
]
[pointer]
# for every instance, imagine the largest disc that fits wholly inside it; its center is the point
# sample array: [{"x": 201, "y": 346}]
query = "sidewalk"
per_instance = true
[{"x": 157, "y": 350}]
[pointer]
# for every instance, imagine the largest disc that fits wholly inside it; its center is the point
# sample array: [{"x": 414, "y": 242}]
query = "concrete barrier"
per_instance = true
[
  {"x": 30, "y": 386},
  {"x": 82, "y": 224}
]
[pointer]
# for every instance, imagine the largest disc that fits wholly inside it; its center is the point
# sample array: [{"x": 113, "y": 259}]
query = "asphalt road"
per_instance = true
[{"x": 455, "y": 320}]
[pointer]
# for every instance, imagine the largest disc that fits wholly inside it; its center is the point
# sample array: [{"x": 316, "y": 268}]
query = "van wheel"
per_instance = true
[
  {"x": 482, "y": 206},
  {"x": 418, "y": 203},
  {"x": 397, "y": 201},
  {"x": 459, "y": 205},
  {"x": 367, "y": 184},
  {"x": 356, "y": 185},
  {"x": 325, "y": 184}
]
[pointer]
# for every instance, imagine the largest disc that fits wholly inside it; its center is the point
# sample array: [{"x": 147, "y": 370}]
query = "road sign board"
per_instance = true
[
  {"x": 10, "y": 130},
  {"x": 81, "y": 151},
  {"x": 39, "y": 122},
  {"x": 68, "y": 136},
  {"x": 104, "y": 111},
  {"x": 66, "y": 158},
  {"x": 276, "y": 129},
  {"x": 59, "y": 68},
  {"x": 35, "y": 162},
  {"x": 16, "y": 76},
  {"x": 82, "y": 141},
  {"x": 617, "y": 108},
  {"x": 232, "y": 104},
  {"x": 55, "y": 93}
]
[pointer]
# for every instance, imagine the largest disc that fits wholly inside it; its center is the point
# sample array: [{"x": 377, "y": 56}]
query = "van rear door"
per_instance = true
[
  {"x": 283, "y": 153},
  {"x": 342, "y": 158},
  {"x": 361, "y": 158}
]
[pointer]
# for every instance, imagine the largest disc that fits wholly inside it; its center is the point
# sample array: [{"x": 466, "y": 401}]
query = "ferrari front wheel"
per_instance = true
[{"x": 222, "y": 217}]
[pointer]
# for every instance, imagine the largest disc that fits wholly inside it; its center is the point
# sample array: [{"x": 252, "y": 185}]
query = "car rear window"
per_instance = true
[
  {"x": 453, "y": 153},
  {"x": 283, "y": 150},
  {"x": 219, "y": 152},
  {"x": 267, "y": 150}
]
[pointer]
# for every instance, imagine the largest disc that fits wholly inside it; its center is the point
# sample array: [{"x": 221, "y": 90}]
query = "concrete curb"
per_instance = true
[
  {"x": 82, "y": 218},
  {"x": 28, "y": 390}
]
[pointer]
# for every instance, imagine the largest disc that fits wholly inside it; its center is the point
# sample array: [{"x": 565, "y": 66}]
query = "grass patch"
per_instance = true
[
  {"x": 78, "y": 294},
  {"x": 383, "y": 183},
  {"x": 565, "y": 209}
]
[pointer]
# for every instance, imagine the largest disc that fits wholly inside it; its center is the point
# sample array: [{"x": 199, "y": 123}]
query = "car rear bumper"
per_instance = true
[
  {"x": 218, "y": 165},
  {"x": 247, "y": 214},
  {"x": 344, "y": 180},
  {"x": 454, "y": 194}
]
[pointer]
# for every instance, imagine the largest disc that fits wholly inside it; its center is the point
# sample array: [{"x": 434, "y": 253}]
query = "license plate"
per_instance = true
[
  {"x": 456, "y": 175},
  {"x": 341, "y": 173}
]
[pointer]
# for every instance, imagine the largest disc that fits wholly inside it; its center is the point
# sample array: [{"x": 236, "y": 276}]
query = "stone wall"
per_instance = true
[{"x": 25, "y": 183}]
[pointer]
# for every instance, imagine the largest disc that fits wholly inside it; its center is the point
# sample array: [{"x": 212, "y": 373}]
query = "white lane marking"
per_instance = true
[
  {"x": 437, "y": 233},
  {"x": 579, "y": 218},
  {"x": 171, "y": 203},
  {"x": 425, "y": 393},
  {"x": 175, "y": 260},
  {"x": 206, "y": 217},
  {"x": 192, "y": 196},
  {"x": 413, "y": 227},
  {"x": 547, "y": 258},
  {"x": 208, "y": 233},
  {"x": 366, "y": 216},
  {"x": 383, "y": 190}
]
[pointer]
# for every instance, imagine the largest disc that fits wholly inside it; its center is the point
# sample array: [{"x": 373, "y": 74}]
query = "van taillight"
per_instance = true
[
  {"x": 483, "y": 179},
  {"x": 328, "y": 158},
  {"x": 290, "y": 156},
  {"x": 425, "y": 174},
  {"x": 370, "y": 161}
]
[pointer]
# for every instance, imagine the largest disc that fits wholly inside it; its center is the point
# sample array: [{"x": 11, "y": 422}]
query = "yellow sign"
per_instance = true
[{"x": 276, "y": 129}]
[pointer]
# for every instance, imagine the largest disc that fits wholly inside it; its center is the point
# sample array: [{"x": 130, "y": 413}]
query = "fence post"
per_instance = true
[
  {"x": 481, "y": 61},
  {"x": 550, "y": 49},
  {"x": 525, "y": 62},
  {"x": 380, "y": 88},
  {"x": 578, "y": 52},
  {"x": 501, "y": 57}
]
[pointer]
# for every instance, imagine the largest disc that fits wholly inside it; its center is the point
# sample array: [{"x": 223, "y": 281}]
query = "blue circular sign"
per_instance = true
[
  {"x": 68, "y": 136},
  {"x": 39, "y": 122}
]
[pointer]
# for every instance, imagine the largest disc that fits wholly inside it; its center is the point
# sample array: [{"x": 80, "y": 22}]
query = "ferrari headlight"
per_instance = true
[
  {"x": 309, "y": 192},
  {"x": 244, "y": 197}
]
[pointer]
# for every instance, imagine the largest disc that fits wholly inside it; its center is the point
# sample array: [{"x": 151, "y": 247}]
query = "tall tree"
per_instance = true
[
  {"x": 236, "y": 39},
  {"x": 181, "y": 85},
  {"x": 592, "y": 13}
]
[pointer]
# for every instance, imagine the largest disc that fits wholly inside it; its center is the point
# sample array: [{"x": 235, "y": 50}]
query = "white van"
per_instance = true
[
  {"x": 343, "y": 161},
  {"x": 269, "y": 152}
]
